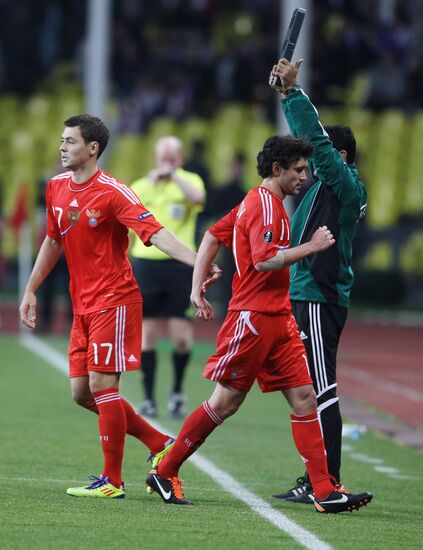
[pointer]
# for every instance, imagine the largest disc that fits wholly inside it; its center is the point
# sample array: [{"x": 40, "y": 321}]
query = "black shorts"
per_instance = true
[
  {"x": 320, "y": 327},
  {"x": 165, "y": 286}
]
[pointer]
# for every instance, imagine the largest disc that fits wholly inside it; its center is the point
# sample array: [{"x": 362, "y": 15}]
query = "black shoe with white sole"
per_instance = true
[
  {"x": 170, "y": 489},
  {"x": 341, "y": 500}
]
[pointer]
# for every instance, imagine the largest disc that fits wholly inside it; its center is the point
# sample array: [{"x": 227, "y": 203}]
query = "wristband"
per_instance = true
[{"x": 293, "y": 88}]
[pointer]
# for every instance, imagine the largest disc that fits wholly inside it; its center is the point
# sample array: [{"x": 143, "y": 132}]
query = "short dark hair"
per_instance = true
[
  {"x": 342, "y": 137},
  {"x": 92, "y": 129},
  {"x": 284, "y": 150}
]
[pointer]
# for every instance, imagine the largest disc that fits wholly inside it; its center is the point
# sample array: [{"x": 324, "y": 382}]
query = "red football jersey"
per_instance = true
[
  {"x": 92, "y": 219},
  {"x": 256, "y": 230}
]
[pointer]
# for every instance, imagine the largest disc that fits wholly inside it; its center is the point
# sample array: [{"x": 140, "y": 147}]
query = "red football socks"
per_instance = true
[
  {"x": 138, "y": 427},
  {"x": 112, "y": 428},
  {"x": 197, "y": 427},
  {"x": 308, "y": 439},
  {"x": 142, "y": 430}
]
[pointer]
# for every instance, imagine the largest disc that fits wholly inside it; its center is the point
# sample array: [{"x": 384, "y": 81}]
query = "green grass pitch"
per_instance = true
[{"x": 47, "y": 443}]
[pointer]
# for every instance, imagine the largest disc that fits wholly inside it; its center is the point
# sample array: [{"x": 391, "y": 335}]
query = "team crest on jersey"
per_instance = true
[
  {"x": 268, "y": 236},
  {"x": 93, "y": 215},
  {"x": 73, "y": 216}
]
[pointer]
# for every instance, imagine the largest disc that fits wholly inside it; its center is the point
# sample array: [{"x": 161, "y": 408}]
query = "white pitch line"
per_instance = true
[
  {"x": 402, "y": 476},
  {"x": 226, "y": 481},
  {"x": 387, "y": 470},
  {"x": 366, "y": 458}
]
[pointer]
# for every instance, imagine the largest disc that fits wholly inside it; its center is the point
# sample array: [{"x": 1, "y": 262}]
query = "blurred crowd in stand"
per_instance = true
[{"x": 184, "y": 57}]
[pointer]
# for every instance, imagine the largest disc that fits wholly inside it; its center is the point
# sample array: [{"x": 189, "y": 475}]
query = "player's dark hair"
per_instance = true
[
  {"x": 342, "y": 137},
  {"x": 281, "y": 149},
  {"x": 92, "y": 129}
]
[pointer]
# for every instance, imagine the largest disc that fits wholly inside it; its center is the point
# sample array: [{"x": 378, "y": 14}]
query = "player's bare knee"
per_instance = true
[
  {"x": 230, "y": 409},
  {"x": 311, "y": 402},
  {"x": 83, "y": 400},
  {"x": 226, "y": 407},
  {"x": 99, "y": 381},
  {"x": 305, "y": 401},
  {"x": 225, "y": 400}
]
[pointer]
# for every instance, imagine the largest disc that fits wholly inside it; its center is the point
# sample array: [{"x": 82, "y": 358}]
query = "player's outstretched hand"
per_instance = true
[
  {"x": 287, "y": 72},
  {"x": 27, "y": 309},
  {"x": 212, "y": 277},
  {"x": 322, "y": 239},
  {"x": 203, "y": 309}
]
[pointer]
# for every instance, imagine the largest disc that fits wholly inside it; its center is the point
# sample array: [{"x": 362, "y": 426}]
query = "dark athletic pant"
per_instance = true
[{"x": 320, "y": 327}]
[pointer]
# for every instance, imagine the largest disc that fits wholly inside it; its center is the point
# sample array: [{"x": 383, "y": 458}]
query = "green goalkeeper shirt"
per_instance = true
[{"x": 338, "y": 199}]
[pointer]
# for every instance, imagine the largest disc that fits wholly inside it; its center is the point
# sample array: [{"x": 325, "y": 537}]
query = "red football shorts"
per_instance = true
[
  {"x": 106, "y": 341},
  {"x": 252, "y": 346}
]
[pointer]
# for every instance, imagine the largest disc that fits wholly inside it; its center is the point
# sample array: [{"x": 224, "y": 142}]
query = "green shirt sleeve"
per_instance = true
[{"x": 303, "y": 120}]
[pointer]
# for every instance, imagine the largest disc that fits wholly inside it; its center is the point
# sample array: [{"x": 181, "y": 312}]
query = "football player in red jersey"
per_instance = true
[
  {"x": 259, "y": 339},
  {"x": 88, "y": 216}
]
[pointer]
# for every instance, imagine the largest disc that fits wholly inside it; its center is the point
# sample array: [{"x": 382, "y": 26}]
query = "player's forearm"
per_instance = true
[
  {"x": 207, "y": 252},
  {"x": 290, "y": 118},
  {"x": 196, "y": 196},
  {"x": 168, "y": 243},
  {"x": 47, "y": 258},
  {"x": 303, "y": 121},
  {"x": 286, "y": 257},
  {"x": 303, "y": 116}
]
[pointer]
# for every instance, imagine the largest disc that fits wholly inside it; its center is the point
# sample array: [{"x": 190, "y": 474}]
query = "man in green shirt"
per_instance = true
[
  {"x": 320, "y": 285},
  {"x": 176, "y": 196}
]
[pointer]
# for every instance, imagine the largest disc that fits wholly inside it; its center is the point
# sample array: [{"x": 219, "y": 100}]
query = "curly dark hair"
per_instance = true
[
  {"x": 91, "y": 128},
  {"x": 284, "y": 150}
]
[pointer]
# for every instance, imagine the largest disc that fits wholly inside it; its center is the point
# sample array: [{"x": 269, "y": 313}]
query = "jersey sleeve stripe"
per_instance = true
[
  {"x": 270, "y": 207},
  {"x": 263, "y": 206},
  {"x": 241, "y": 210},
  {"x": 119, "y": 184},
  {"x": 122, "y": 188},
  {"x": 127, "y": 189},
  {"x": 235, "y": 252},
  {"x": 267, "y": 207},
  {"x": 128, "y": 193}
]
